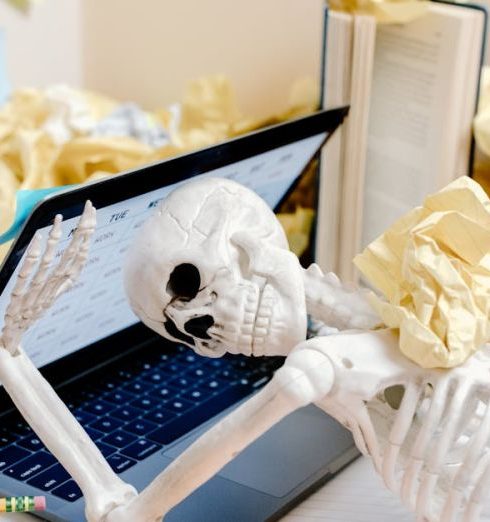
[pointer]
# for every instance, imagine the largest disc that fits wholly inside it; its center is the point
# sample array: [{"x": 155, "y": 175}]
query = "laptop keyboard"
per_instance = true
[{"x": 134, "y": 409}]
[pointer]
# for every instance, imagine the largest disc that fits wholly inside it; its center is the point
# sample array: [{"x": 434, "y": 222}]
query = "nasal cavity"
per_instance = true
[{"x": 198, "y": 326}]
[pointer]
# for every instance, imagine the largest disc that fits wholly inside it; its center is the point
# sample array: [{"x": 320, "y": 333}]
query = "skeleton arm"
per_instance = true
[
  {"x": 335, "y": 304},
  {"x": 430, "y": 450},
  {"x": 34, "y": 292},
  {"x": 305, "y": 377}
]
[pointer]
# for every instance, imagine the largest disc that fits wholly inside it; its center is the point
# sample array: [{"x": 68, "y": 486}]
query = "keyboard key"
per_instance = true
[
  {"x": 160, "y": 416},
  {"x": 187, "y": 358},
  {"x": 11, "y": 455},
  {"x": 140, "y": 426},
  {"x": 239, "y": 363},
  {"x": 216, "y": 363},
  {"x": 228, "y": 375},
  {"x": 216, "y": 385},
  {"x": 51, "y": 478},
  {"x": 164, "y": 392},
  {"x": 18, "y": 426},
  {"x": 126, "y": 413},
  {"x": 89, "y": 394},
  {"x": 120, "y": 463},
  {"x": 141, "y": 449},
  {"x": 106, "y": 424},
  {"x": 172, "y": 368},
  {"x": 68, "y": 491},
  {"x": 155, "y": 377},
  {"x": 94, "y": 434},
  {"x": 105, "y": 449},
  {"x": 119, "y": 397},
  {"x": 170, "y": 354},
  {"x": 83, "y": 417},
  {"x": 31, "y": 443},
  {"x": 99, "y": 407},
  {"x": 196, "y": 394},
  {"x": 197, "y": 373},
  {"x": 164, "y": 358},
  {"x": 181, "y": 383},
  {"x": 125, "y": 374},
  {"x": 145, "y": 403},
  {"x": 107, "y": 385},
  {"x": 178, "y": 405},
  {"x": 30, "y": 466},
  {"x": 137, "y": 387},
  {"x": 119, "y": 438},
  {"x": 6, "y": 438},
  {"x": 196, "y": 416}
]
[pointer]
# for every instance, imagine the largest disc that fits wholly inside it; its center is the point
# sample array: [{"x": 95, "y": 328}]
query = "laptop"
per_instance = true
[{"x": 141, "y": 398}]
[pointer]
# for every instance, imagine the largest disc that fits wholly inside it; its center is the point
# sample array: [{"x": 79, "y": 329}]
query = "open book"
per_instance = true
[{"x": 413, "y": 91}]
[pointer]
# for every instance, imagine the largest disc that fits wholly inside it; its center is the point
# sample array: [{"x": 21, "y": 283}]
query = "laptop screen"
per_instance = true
[{"x": 96, "y": 307}]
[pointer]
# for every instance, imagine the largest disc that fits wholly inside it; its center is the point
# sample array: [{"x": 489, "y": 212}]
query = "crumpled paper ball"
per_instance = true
[
  {"x": 433, "y": 267},
  {"x": 61, "y": 136},
  {"x": 385, "y": 11}
]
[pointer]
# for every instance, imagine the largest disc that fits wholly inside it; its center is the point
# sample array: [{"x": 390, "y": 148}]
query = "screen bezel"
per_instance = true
[{"x": 140, "y": 181}]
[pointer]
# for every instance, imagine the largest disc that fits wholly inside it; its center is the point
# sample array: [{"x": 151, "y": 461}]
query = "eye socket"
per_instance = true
[{"x": 184, "y": 281}]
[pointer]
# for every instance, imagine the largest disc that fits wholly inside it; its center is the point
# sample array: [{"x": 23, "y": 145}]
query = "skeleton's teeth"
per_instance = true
[
  {"x": 245, "y": 339},
  {"x": 262, "y": 322},
  {"x": 249, "y": 317},
  {"x": 260, "y": 332},
  {"x": 252, "y": 298},
  {"x": 265, "y": 311},
  {"x": 248, "y": 329}
]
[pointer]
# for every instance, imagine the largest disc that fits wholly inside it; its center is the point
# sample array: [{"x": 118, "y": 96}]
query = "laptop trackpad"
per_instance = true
[{"x": 286, "y": 455}]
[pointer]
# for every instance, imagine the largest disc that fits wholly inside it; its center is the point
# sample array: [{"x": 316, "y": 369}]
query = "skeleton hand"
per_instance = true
[{"x": 35, "y": 292}]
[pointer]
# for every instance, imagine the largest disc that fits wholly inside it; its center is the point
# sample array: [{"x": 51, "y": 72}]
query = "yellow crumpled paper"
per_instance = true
[
  {"x": 385, "y": 11},
  {"x": 31, "y": 157},
  {"x": 433, "y": 267},
  {"x": 297, "y": 226}
]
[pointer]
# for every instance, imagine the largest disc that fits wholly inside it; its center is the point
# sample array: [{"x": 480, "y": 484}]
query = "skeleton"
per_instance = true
[{"x": 211, "y": 269}]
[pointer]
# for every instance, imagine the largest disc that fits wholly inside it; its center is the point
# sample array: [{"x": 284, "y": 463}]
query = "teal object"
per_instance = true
[{"x": 26, "y": 200}]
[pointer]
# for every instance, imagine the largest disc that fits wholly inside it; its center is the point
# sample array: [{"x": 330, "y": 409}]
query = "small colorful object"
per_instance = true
[{"x": 22, "y": 504}]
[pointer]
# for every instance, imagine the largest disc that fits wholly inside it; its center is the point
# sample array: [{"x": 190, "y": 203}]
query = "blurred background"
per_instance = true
[
  {"x": 89, "y": 89},
  {"x": 147, "y": 51}
]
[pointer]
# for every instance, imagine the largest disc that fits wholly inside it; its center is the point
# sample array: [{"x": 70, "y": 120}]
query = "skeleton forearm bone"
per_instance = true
[
  {"x": 62, "y": 435},
  {"x": 305, "y": 377}
]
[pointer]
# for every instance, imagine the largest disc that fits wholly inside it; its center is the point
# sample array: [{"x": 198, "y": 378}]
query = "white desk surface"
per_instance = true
[{"x": 355, "y": 495}]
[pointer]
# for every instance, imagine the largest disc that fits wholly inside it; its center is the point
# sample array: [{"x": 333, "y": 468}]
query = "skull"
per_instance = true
[{"x": 212, "y": 269}]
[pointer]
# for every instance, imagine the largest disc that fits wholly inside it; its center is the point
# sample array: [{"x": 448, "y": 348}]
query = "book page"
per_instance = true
[
  {"x": 337, "y": 70},
  {"x": 414, "y": 80},
  {"x": 355, "y": 147}
]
